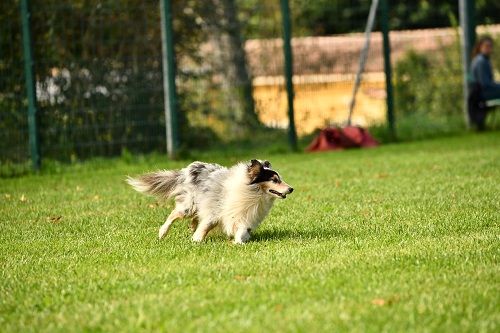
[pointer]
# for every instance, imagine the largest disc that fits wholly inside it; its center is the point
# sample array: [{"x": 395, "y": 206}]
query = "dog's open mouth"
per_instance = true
[{"x": 281, "y": 195}]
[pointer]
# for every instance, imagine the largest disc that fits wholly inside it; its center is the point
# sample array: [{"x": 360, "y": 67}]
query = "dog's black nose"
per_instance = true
[{"x": 290, "y": 190}]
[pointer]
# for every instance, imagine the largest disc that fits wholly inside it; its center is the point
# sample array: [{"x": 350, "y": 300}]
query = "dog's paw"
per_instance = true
[
  {"x": 197, "y": 238},
  {"x": 242, "y": 240},
  {"x": 162, "y": 232},
  {"x": 242, "y": 237}
]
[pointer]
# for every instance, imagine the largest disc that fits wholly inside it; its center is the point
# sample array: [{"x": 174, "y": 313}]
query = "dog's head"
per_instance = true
[{"x": 270, "y": 182}]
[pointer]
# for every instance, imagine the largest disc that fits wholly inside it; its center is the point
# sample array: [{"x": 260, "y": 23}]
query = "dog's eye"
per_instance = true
[{"x": 275, "y": 180}]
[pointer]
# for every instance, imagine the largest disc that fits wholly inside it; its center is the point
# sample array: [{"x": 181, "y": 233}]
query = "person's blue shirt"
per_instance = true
[{"x": 482, "y": 73}]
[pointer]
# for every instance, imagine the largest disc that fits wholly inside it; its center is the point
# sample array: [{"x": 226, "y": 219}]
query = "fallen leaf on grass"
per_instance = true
[
  {"x": 240, "y": 277},
  {"x": 154, "y": 205},
  {"x": 7, "y": 196},
  {"x": 389, "y": 301},
  {"x": 55, "y": 219},
  {"x": 378, "y": 301},
  {"x": 23, "y": 198}
]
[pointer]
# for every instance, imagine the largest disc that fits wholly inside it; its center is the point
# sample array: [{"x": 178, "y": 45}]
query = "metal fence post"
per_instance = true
[
  {"x": 169, "y": 88},
  {"x": 29, "y": 76},
  {"x": 384, "y": 24},
  {"x": 467, "y": 22},
  {"x": 287, "y": 49}
]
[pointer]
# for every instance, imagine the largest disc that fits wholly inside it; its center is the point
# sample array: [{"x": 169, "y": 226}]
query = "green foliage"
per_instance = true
[
  {"x": 13, "y": 103},
  {"x": 428, "y": 93},
  {"x": 411, "y": 75},
  {"x": 97, "y": 79},
  {"x": 495, "y": 58},
  {"x": 429, "y": 84},
  {"x": 401, "y": 238},
  {"x": 326, "y": 17}
]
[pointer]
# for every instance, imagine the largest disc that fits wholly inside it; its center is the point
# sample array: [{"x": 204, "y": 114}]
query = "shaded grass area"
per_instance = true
[
  {"x": 418, "y": 126},
  {"x": 270, "y": 141},
  {"x": 399, "y": 238}
]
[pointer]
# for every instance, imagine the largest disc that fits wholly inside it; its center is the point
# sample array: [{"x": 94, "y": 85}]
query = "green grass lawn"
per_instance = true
[{"x": 400, "y": 238}]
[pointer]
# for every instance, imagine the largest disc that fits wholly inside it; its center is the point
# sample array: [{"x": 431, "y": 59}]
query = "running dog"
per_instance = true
[{"x": 236, "y": 199}]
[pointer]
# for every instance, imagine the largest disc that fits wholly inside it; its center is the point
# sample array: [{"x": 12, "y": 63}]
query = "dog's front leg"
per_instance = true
[{"x": 242, "y": 235}]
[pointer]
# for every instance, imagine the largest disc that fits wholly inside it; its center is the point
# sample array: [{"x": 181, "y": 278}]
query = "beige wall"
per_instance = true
[{"x": 320, "y": 104}]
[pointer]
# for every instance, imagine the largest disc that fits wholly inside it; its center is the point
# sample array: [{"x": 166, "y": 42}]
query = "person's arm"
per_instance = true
[{"x": 485, "y": 75}]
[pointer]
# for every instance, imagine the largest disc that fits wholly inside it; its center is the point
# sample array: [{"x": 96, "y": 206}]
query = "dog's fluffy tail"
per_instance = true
[{"x": 160, "y": 183}]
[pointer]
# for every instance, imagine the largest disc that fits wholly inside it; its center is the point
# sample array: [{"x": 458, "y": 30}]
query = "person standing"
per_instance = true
[
  {"x": 482, "y": 71},
  {"x": 482, "y": 84}
]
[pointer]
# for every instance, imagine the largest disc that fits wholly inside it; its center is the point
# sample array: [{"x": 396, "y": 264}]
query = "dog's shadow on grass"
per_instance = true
[{"x": 290, "y": 234}]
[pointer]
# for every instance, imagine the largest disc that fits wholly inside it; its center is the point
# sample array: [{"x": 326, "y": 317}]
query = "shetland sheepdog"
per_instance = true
[{"x": 236, "y": 199}]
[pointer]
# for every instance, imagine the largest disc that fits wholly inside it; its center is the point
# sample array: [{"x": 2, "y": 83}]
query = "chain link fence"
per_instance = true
[
  {"x": 13, "y": 116},
  {"x": 99, "y": 79}
]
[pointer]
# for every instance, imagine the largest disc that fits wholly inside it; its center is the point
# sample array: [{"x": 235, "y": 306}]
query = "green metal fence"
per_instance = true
[
  {"x": 13, "y": 106},
  {"x": 99, "y": 76},
  {"x": 97, "y": 72},
  {"x": 95, "y": 79}
]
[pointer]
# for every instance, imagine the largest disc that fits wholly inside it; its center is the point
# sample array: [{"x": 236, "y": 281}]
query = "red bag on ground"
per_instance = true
[{"x": 341, "y": 138}]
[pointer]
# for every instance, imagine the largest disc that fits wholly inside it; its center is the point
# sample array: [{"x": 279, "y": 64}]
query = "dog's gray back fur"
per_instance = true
[{"x": 184, "y": 185}]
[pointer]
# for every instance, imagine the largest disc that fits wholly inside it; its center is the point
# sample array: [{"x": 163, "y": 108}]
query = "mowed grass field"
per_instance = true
[{"x": 401, "y": 238}]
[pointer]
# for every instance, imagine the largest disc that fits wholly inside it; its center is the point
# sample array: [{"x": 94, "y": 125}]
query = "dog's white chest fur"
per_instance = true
[
  {"x": 232, "y": 203},
  {"x": 244, "y": 207}
]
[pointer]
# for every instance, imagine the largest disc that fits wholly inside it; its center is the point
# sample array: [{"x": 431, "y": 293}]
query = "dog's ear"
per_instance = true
[
  {"x": 254, "y": 163},
  {"x": 254, "y": 170},
  {"x": 267, "y": 165}
]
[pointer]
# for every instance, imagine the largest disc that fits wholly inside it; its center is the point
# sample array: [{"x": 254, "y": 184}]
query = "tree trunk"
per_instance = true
[{"x": 236, "y": 80}]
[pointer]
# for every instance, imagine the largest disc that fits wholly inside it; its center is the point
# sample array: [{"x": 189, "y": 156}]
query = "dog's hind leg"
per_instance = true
[
  {"x": 203, "y": 228},
  {"x": 194, "y": 224},
  {"x": 174, "y": 215}
]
